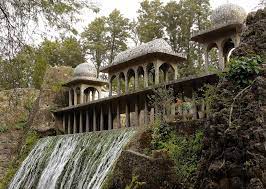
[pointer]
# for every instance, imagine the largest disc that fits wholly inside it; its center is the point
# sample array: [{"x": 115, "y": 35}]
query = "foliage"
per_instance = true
[
  {"x": 3, "y": 128},
  {"x": 94, "y": 41},
  {"x": 162, "y": 99},
  {"x": 135, "y": 184},
  {"x": 31, "y": 139},
  {"x": 149, "y": 20},
  {"x": 242, "y": 70},
  {"x": 118, "y": 33}
]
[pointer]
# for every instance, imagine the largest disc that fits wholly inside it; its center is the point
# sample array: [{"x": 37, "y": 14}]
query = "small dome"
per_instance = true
[
  {"x": 228, "y": 13},
  {"x": 85, "y": 70}
]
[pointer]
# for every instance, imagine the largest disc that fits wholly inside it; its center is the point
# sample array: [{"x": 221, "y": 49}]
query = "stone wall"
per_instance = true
[
  {"x": 14, "y": 112},
  {"x": 253, "y": 38},
  {"x": 52, "y": 96}
]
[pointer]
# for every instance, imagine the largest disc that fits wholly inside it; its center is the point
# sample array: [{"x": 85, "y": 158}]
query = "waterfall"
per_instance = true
[{"x": 79, "y": 161}]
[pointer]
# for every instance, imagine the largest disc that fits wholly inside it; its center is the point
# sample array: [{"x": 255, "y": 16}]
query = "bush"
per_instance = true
[{"x": 243, "y": 70}]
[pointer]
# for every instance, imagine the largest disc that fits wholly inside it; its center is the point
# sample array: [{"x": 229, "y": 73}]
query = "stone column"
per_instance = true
[
  {"x": 101, "y": 119},
  {"x": 75, "y": 129},
  {"x": 206, "y": 57},
  {"x": 146, "y": 77},
  {"x": 64, "y": 123},
  {"x": 93, "y": 95},
  {"x": 75, "y": 97},
  {"x": 118, "y": 85},
  {"x": 157, "y": 73},
  {"x": 221, "y": 57},
  {"x": 118, "y": 115},
  {"x": 136, "y": 80},
  {"x": 87, "y": 121},
  {"x": 166, "y": 76},
  {"x": 80, "y": 122},
  {"x": 110, "y": 86},
  {"x": 81, "y": 96},
  {"x": 94, "y": 120},
  {"x": 126, "y": 83},
  {"x": 127, "y": 115},
  {"x": 176, "y": 71},
  {"x": 137, "y": 113},
  {"x": 69, "y": 123},
  {"x": 146, "y": 121},
  {"x": 110, "y": 119},
  {"x": 70, "y": 97}
]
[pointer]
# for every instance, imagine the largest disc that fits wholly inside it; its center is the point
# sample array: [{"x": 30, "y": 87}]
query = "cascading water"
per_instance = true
[{"x": 71, "y": 161}]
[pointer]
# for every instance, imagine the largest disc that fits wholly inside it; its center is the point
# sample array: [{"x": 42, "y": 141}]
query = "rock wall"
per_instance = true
[
  {"x": 14, "y": 112},
  {"x": 253, "y": 38},
  {"x": 52, "y": 96}
]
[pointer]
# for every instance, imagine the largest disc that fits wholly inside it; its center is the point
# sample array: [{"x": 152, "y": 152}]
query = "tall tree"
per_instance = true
[
  {"x": 149, "y": 20},
  {"x": 94, "y": 39},
  {"x": 118, "y": 33},
  {"x": 171, "y": 20}
]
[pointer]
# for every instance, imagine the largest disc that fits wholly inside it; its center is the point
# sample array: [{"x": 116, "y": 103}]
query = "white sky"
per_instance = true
[{"x": 129, "y": 9}]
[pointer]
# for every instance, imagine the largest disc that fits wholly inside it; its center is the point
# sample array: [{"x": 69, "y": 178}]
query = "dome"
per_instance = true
[
  {"x": 157, "y": 45},
  {"x": 228, "y": 13},
  {"x": 85, "y": 70}
]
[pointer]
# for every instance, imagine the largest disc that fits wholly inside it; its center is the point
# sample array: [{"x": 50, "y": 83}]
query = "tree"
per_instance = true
[
  {"x": 71, "y": 52},
  {"x": 171, "y": 20},
  {"x": 94, "y": 39},
  {"x": 118, "y": 33},
  {"x": 149, "y": 20}
]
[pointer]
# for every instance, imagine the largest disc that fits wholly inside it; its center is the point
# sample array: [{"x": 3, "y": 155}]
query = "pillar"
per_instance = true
[
  {"x": 101, "y": 119},
  {"x": 118, "y": 85},
  {"x": 93, "y": 95},
  {"x": 94, "y": 120},
  {"x": 69, "y": 123},
  {"x": 136, "y": 80},
  {"x": 80, "y": 122},
  {"x": 87, "y": 121},
  {"x": 157, "y": 73},
  {"x": 81, "y": 96},
  {"x": 75, "y": 129},
  {"x": 64, "y": 123},
  {"x": 118, "y": 115},
  {"x": 126, "y": 83},
  {"x": 127, "y": 115},
  {"x": 146, "y": 78},
  {"x": 137, "y": 113},
  {"x": 166, "y": 75},
  {"x": 110, "y": 119},
  {"x": 110, "y": 86},
  {"x": 206, "y": 57},
  {"x": 145, "y": 111},
  {"x": 221, "y": 57},
  {"x": 75, "y": 97},
  {"x": 176, "y": 71},
  {"x": 70, "y": 98}
]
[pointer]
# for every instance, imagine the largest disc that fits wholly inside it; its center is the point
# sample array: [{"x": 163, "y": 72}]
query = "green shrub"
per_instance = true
[
  {"x": 135, "y": 184},
  {"x": 3, "y": 128},
  {"x": 243, "y": 70}
]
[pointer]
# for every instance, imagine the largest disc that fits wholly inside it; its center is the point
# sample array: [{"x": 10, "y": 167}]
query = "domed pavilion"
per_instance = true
[
  {"x": 85, "y": 86},
  {"x": 227, "y": 23}
]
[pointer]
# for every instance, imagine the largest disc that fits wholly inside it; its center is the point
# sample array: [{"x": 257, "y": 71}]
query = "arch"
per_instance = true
[
  {"x": 140, "y": 72},
  {"x": 91, "y": 93},
  {"x": 131, "y": 80},
  {"x": 113, "y": 84},
  {"x": 227, "y": 46},
  {"x": 166, "y": 73},
  {"x": 122, "y": 86},
  {"x": 151, "y": 74}
]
